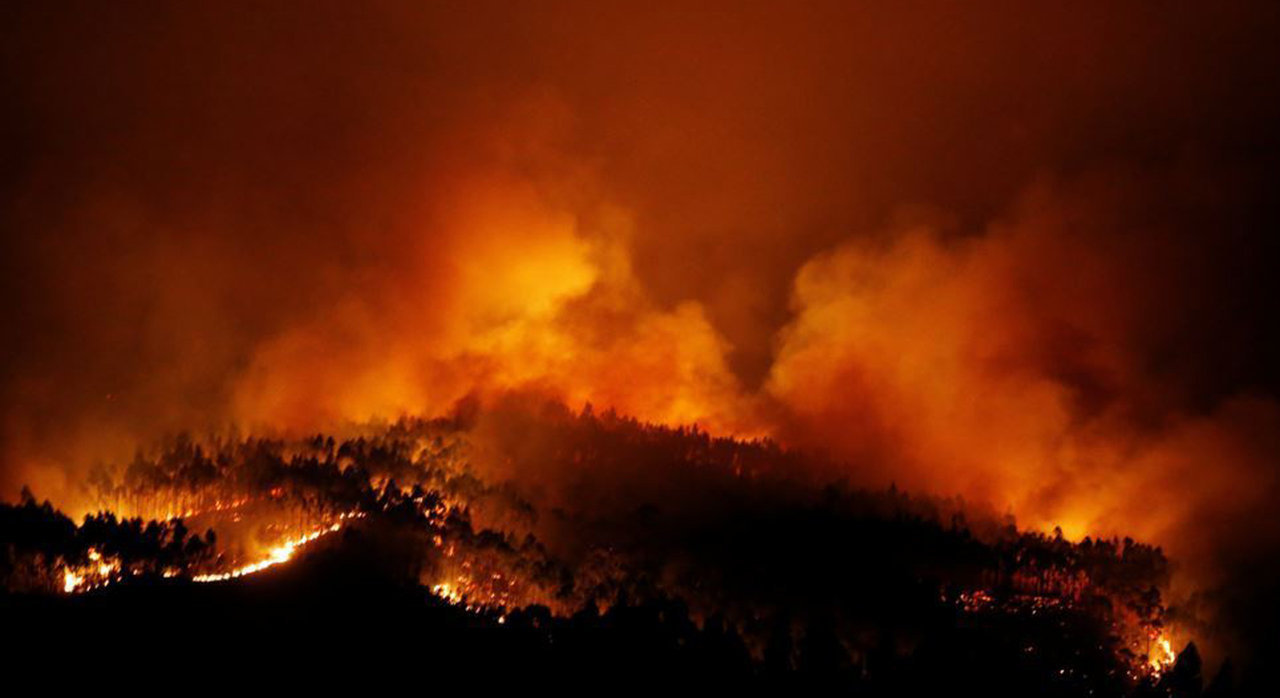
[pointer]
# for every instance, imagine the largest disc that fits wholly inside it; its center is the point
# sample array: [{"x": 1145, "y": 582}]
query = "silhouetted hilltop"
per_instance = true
[{"x": 585, "y": 548}]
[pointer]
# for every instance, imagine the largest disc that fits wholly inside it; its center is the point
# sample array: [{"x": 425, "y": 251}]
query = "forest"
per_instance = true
[{"x": 594, "y": 540}]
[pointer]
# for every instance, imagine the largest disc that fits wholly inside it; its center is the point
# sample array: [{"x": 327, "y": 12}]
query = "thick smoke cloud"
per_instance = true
[
  {"x": 1021, "y": 256},
  {"x": 1066, "y": 364}
]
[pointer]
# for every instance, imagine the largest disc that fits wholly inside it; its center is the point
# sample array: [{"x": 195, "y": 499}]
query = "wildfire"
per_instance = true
[
  {"x": 102, "y": 571},
  {"x": 1039, "y": 579},
  {"x": 98, "y": 573},
  {"x": 217, "y": 507},
  {"x": 277, "y": 555},
  {"x": 71, "y": 581},
  {"x": 448, "y": 592},
  {"x": 1162, "y": 657},
  {"x": 464, "y": 591}
]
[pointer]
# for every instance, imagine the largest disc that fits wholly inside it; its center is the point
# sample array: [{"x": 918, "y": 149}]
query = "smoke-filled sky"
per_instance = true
[{"x": 1024, "y": 255}]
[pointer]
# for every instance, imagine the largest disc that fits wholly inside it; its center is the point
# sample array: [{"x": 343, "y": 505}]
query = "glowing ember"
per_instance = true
[{"x": 218, "y": 506}]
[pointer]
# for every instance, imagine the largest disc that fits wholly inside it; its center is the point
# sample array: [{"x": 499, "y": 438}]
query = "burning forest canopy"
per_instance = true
[
  {"x": 843, "y": 587},
  {"x": 972, "y": 308}
]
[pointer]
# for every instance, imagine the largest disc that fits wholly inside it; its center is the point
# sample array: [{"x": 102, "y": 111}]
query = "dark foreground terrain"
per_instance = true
[
  {"x": 661, "y": 561},
  {"x": 338, "y": 617}
]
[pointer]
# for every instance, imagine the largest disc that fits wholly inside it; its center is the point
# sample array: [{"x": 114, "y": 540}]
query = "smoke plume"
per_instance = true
[{"x": 1021, "y": 257}]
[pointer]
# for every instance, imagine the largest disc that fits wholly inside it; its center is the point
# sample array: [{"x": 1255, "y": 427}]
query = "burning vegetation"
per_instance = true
[
  {"x": 815, "y": 580},
  {"x": 972, "y": 305}
]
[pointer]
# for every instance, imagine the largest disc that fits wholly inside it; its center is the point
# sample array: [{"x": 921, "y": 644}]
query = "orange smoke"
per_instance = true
[
  {"x": 512, "y": 294},
  {"x": 1021, "y": 256},
  {"x": 1015, "y": 368}
]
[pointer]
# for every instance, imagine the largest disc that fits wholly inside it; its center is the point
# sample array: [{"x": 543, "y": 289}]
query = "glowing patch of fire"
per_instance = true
[
  {"x": 448, "y": 593},
  {"x": 98, "y": 573},
  {"x": 1163, "y": 656},
  {"x": 275, "y": 556},
  {"x": 101, "y": 571},
  {"x": 71, "y": 580}
]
